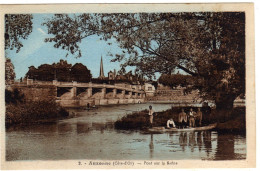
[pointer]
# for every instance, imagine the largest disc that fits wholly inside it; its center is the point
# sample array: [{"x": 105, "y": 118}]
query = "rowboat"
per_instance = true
[
  {"x": 90, "y": 108},
  {"x": 163, "y": 129}
]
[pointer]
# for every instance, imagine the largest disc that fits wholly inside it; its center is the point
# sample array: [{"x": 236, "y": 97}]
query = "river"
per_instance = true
[{"x": 91, "y": 135}]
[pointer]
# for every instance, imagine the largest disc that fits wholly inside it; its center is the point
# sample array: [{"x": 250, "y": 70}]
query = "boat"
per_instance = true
[
  {"x": 163, "y": 129},
  {"x": 91, "y": 108}
]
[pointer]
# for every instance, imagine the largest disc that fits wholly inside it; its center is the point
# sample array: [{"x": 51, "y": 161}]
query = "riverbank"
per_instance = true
[
  {"x": 28, "y": 113},
  {"x": 227, "y": 120}
]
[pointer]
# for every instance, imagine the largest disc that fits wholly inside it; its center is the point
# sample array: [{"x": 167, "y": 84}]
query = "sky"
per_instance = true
[{"x": 36, "y": 52}]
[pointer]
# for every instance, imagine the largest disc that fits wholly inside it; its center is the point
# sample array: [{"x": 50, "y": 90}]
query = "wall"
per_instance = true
[{"x": 37, "y": 92}]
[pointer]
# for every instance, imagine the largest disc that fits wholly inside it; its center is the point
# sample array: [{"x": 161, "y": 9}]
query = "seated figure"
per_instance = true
[{"x": 170, "y": 123}]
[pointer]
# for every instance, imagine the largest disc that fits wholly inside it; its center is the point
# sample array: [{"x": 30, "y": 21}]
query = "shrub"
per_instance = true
[
  {"x": 13, "y": 96},
  {"x": 33, "y": 112}
]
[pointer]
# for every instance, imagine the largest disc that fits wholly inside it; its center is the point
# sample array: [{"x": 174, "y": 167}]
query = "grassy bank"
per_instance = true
[
  {"x": 227, "y": 120},
  {"x": 25, "y": 113}
]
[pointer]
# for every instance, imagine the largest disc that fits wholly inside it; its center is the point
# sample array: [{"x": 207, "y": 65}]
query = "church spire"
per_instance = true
[{"x": 101, "y": 73}]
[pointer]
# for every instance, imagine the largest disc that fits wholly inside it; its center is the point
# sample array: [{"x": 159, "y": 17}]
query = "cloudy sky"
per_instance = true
[{"x": 36, "y": 52}]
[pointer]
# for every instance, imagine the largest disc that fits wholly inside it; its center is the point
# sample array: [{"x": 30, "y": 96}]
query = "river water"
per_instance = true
[{"x": 91, "y": 135}]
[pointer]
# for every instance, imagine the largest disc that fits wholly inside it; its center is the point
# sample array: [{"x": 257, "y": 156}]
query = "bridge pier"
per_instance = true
[
  {"x": 130, "y": 94},
  {"x": 89, "y": 91},
  {"x": 103, "y": 93},
  {"x": 135, "y": 96},
  {"x": 114, "y": 93},
  {"x": 123, "y": 94},
  {"x": 74, "y": 92}
]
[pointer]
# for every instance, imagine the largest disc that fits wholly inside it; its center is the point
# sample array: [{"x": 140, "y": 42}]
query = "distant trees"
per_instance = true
[
  {"x": 61, "y": 71},
  {"x": 80, "y": 73},
  {"x": 175, "y": 80}
]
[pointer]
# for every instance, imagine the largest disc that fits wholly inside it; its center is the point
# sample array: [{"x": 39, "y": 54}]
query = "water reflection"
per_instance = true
[
  {"x": 64, "y": 128},
  {"x": 225, "y": 147},
  {"x": 192, "y": 141},
  {"x": 207, "y": 142},
  {"x": 83, "y": 128},
  {"x": 151, "y": 147},
  {"x": 91, "y": 135},
  {"x": 183, "y": 140},
  {"x": 199, "y": 140},
  {"x": 40, "y": 129}
]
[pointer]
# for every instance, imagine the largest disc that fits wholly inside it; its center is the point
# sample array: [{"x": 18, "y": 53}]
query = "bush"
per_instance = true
[
  {"x": 13, "y": 96},
  {"x": 133, "y": 121},
  {"x": 33, "y": 112}
]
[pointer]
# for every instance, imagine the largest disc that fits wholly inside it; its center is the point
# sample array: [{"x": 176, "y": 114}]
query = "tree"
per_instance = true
[
  {"x": 61, "y": 71},
  {"x": 44, "y": 72},
  {"x": 14, "y": 96},
  {"x": 208, "y": 46},
  {"x": 80, "y": 73},
  {"x": 9, "y": 72},
  {"x": 175, "y": 80},
  {"x": 17, "y": 27}
]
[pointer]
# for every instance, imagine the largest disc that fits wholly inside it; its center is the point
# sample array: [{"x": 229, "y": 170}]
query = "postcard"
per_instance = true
[{"x": 127, "y": 86}]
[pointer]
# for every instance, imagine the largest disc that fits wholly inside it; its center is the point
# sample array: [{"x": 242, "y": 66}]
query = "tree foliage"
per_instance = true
[
  {"x": 9, "y": 72},
  {"x": 14, "y": 96},
  {"x": 209, "y": 46},
  {"x": 69, "y": 30},
  {"x": 61, "y": 71},
  {"x": 175, "y": 80},
  {"x": 80, "y": 73},
  {"x": 17, "y": 27}
]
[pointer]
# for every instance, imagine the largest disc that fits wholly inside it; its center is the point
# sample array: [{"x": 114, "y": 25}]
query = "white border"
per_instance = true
[{"x": 257, "y": 28}]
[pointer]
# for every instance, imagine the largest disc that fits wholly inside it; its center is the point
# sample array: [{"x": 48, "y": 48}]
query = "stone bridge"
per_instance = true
[{"x": 74, "y": 94}]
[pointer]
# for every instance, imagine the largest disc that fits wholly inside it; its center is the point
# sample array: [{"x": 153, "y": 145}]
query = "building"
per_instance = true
[
  {"x": 114, "y": 77},
  {"x": 149, "y": 89}
]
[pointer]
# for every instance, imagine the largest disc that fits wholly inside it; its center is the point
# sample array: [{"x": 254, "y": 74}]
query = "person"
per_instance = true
[
  {"x": 88, "y": 106},
  {"x": 192, "y": 115},
  {"x": 151, "y": 112},
  {"x": 182, "y": 119},
  {"x": 170, "y": 122},
  {"x": 199, "y": 116}
]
